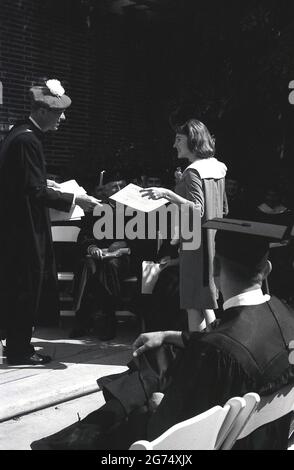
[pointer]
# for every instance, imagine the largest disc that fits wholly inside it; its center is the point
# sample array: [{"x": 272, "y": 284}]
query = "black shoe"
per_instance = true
[
  {"x": 35, "y": 359},
  {"x": 78, "y": 436}
]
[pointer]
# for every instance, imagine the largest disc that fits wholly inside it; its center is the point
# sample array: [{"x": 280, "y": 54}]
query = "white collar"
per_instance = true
[
  {"x": 252, "y": 297},
  {"x": 209, "y": 168},
  {"x": 35, "y": 123}
]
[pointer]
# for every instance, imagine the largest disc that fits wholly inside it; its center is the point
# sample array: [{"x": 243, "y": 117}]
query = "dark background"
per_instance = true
[{"x": 128, "y": 64}]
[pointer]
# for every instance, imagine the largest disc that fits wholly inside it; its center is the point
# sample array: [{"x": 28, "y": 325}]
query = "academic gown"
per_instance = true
[
  {"x": 202, "y": 182},
  {"x": 26, "y": 252},
  {"x": 247, "y": 352}
]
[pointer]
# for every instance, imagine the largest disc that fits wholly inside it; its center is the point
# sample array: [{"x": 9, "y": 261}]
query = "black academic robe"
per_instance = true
[
  {"x": 246, "y": 353},
  {"x": 26, "y": 253}
]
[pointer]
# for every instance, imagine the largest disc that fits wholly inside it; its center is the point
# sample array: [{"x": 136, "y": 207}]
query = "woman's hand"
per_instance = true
[
  {"x": 155, "y": 193},
  {"x": 148, "y": 341}
]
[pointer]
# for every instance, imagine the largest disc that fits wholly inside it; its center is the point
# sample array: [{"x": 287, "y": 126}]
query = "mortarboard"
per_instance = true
[
  {"x": 246, "y": 241},
  {"x": 270, "y": 232}
]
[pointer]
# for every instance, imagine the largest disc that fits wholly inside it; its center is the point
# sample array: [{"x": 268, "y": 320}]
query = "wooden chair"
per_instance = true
[
  {"x": 206, "y": 431},
  {"x": 259, "y": 411}
]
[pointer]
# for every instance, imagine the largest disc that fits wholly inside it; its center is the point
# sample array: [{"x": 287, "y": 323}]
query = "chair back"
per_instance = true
[
  {"x": 251, "y": 402},
  {"x": 198, "y": 433},
  {"x": 63, "y": 233},
  {"x": 265, "y": 410},
  {"x": 236, "y": 405},
  {"x": 205, "y": 431}
]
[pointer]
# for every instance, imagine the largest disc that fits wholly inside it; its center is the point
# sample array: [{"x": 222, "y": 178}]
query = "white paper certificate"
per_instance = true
[
  {"x": 131, "y": 196},
  {"x": 76, "y": 213}
]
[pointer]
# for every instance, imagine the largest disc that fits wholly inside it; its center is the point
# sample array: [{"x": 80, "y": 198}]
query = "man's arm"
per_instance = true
[
  {"x": 35, "y": 184},
  {"x": 156, "y": 339}
]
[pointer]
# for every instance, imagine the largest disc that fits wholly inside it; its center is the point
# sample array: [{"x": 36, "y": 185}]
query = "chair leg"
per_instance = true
[
  {"x": 81, "y": 288},
  {"x": 142, "y": 324}
]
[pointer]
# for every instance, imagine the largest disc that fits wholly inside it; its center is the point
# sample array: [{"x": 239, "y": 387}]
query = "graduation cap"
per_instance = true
[
  {"x": 270, "y": 232},
  {"x": 247, "y": 241}
]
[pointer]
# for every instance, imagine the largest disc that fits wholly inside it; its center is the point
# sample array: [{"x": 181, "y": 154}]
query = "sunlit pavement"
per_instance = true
[{"x": 39, "y": 400}]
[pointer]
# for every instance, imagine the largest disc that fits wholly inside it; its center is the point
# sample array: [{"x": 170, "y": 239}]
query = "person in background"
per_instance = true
[
  {"x": 107, "y": 263},
  {"x": 153, "y": 180},
  {"x": 237, "y": 203},
  {"x": 272, "y": 210},
  {"x": 201, "y": 186},
  {"x": 272, "y": 204},
  {"x": 26, "y": 252}
]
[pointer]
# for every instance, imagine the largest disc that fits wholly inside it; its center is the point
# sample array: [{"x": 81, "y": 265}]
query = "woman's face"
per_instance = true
[{"x": 181, "y": 145}]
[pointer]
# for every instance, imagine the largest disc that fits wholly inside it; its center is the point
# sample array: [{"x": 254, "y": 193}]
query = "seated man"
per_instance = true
[
  {"x": 246, "y": 352},
  {"x": 107, "y": 263}
]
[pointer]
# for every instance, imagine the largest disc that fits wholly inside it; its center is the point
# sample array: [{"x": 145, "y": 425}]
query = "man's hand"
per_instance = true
[
  {"x": 116, "y": 246},
  {"x": 164, "y": 260},
  {"x": 52, "y": 184},
  {"x": 148, "y": 341},
  {"x": 167, "y": 262},
  {"x": 87, "y": 203},
  {"x": 94, "y": 252}
]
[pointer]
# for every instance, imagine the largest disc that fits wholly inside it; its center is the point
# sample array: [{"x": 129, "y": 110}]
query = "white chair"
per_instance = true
[
  {"x": 206, "y": 431},
  {"x": 259, "y": 411},
  {"x": 66, "y": 234}
]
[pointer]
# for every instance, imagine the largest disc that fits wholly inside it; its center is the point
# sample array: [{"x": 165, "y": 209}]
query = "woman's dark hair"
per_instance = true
[{"x": 200, "y": 142}]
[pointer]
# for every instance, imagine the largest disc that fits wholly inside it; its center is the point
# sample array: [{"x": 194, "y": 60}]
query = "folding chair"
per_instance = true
[
  {"x": 259, "y": 411},
  {"x": 65, "y": 234},
  {"x": 205, "y": 431}
]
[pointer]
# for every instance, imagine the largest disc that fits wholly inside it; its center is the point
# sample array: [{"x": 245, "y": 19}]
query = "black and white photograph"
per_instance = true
[{"x": 147, "y": 228}]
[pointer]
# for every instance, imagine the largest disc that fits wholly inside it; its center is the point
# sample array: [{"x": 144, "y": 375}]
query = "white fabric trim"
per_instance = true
[
  {"x": 34, "y": 122},
  {"x": 252, "y": 297},
  {"x": 209, "y": 168}
]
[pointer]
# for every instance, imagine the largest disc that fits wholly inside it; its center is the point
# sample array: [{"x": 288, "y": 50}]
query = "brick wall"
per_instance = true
[{"x": 50, "y": 38}]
